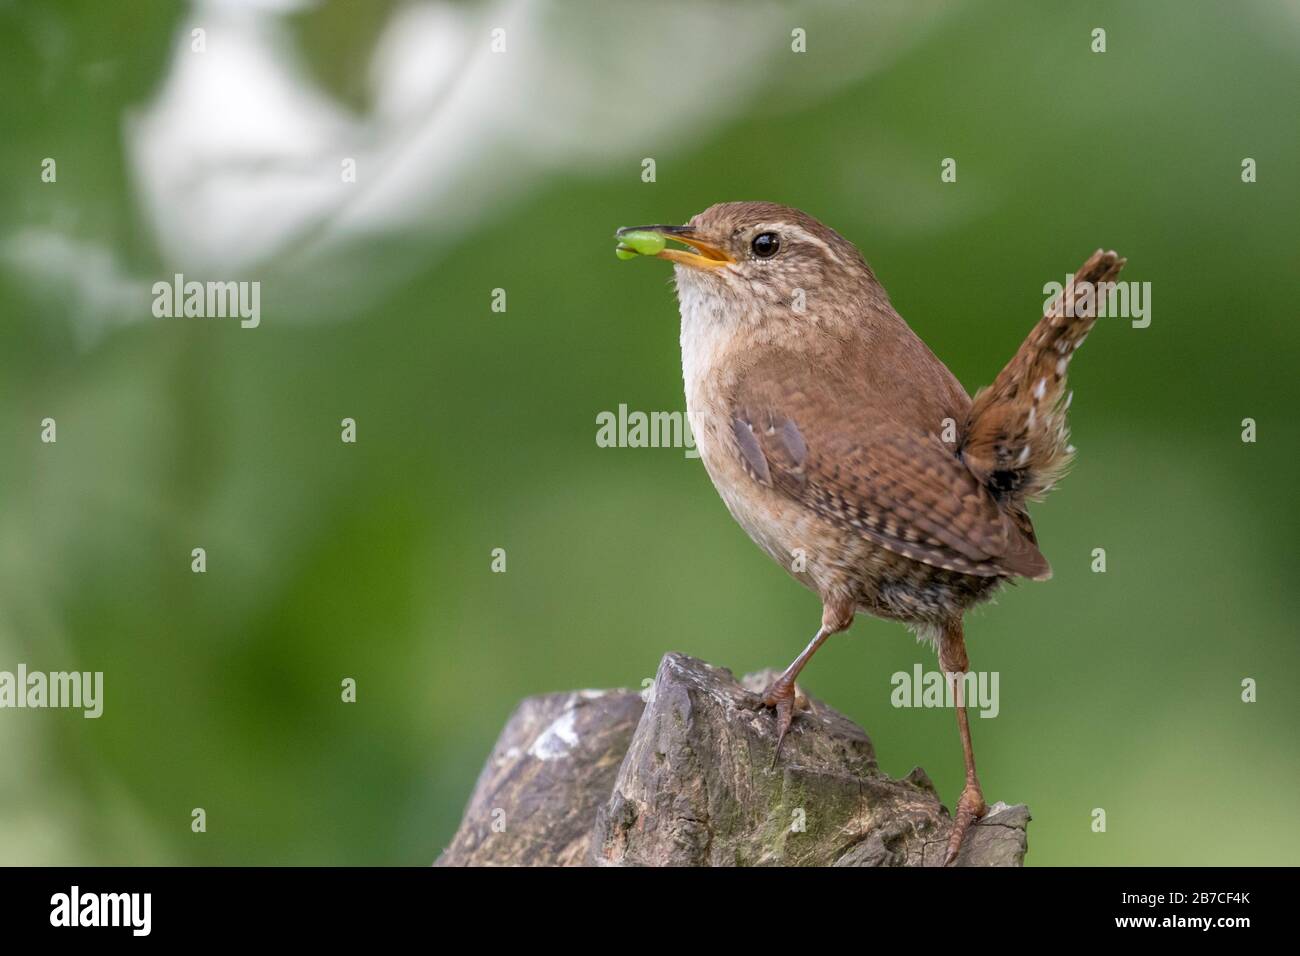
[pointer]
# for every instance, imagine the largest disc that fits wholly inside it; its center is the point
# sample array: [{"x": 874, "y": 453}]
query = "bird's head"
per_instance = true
[{"x": 759, "y": 254}]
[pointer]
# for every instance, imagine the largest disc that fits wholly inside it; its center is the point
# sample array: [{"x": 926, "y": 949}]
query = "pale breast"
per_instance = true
[{"x": 796, "y": 538}]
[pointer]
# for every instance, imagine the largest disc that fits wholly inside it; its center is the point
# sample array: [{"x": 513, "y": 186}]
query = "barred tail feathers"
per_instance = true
[{"x": 1016, "y": 437}]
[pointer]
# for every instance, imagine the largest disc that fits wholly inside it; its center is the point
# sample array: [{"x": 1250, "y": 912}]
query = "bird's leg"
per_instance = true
[
  {"x": 780, "y": 694},
  {"x": 970, "y": 806}
]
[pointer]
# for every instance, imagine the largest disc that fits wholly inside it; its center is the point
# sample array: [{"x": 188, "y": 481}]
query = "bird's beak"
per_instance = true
[{"x": 705, "y": 256}]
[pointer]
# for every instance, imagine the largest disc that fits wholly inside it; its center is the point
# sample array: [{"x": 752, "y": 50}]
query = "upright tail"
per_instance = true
[{"x": 1016, "y": 437}]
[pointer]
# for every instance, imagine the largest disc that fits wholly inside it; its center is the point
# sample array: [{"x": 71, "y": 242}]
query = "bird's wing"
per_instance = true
[{"x": 813, "y": 437}]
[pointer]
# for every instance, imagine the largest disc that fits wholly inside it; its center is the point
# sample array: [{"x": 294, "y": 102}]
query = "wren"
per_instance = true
[{"x": 847, "y": 451}]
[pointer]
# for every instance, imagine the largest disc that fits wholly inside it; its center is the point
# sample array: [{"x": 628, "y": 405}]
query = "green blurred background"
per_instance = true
[{"x": 477, "y": 429}]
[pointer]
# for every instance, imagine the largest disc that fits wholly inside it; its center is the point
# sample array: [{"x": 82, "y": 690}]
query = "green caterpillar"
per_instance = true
[{"x": 632, "y": 244}]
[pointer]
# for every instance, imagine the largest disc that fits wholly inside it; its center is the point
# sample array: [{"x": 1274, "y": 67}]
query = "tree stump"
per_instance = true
[{"x": 684, "y": 777}]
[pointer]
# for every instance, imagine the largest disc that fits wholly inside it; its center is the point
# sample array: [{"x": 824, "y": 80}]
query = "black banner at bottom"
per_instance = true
[{"x": 336, "y": 905}]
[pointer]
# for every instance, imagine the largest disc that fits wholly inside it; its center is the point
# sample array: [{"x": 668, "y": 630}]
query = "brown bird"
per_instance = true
[{"x": 847, "y": 450}]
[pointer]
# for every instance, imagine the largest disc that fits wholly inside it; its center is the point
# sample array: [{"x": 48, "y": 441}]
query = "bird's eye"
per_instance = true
[{"x": 766, "y": 244}]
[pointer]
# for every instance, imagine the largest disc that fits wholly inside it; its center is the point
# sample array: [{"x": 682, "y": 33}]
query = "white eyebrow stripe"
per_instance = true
[{"x": 799, "y": 232}]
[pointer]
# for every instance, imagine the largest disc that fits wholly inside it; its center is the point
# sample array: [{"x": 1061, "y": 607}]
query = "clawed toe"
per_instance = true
[
  {"x": 970, "y": 807},
  {"x": 780, "y": 695}
]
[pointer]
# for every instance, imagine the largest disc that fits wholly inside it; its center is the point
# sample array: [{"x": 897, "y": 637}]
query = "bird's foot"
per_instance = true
[
  {"x": 783, "y": 696},
  {"x": 970, "y": 807}
]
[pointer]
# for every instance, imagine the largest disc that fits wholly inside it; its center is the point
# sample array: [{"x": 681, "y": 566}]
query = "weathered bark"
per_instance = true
[
  {"x": 685, "y": 779},
  {"x": 551, "y": 770}
]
